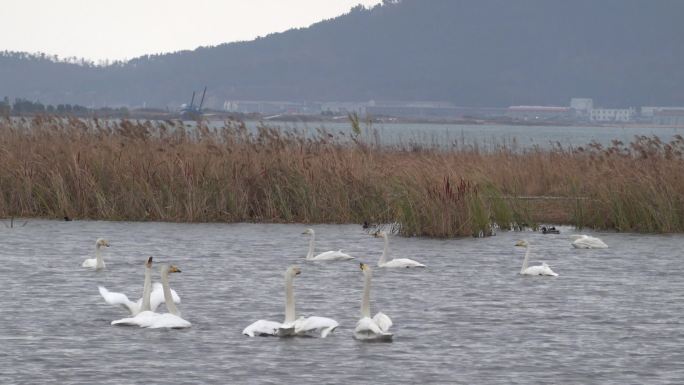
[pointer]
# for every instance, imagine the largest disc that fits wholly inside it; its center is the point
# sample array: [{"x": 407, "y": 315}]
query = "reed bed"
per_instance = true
[{"x": 164, "y": 171}]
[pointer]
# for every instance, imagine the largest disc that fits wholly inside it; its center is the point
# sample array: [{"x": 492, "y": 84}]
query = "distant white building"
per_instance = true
[
  {"x": 649, "y": 112},
  {"x": 612, "y": 114},
  {"x": 582, "y": 107}
]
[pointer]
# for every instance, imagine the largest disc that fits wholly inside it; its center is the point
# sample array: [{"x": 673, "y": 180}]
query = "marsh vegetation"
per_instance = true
[{"x": 166, "y": 171}]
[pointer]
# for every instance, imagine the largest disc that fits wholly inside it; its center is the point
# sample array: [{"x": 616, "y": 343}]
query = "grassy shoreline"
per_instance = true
[{"x": 124, "y": 170}]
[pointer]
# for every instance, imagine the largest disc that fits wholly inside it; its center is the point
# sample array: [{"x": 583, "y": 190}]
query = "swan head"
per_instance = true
[
  {"x": 380, "y": 234},
  {"x": 309, "y": 232},
  {"x": 365, "y": 268},
  {"x": 293, "y": 271},
  {"x": 522, "y": 243},
  {"x": 166, "y": 269},
  {"x": 101, "y": 242},
  {"x": 148, "y": 264}
]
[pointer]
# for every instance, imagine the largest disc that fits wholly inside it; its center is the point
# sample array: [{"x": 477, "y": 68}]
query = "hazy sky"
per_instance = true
[{"x": 118, "y": 29}]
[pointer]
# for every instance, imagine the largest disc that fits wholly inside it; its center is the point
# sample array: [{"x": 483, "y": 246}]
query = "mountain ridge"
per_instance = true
[{"x": 468, "y": 52}]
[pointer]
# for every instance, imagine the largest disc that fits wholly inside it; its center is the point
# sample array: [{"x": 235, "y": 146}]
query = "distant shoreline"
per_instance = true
[{"x": 218, "y": 116}]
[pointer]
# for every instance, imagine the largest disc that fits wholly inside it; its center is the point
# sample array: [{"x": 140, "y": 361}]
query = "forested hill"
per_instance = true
[{"x": 469, "y": 52}]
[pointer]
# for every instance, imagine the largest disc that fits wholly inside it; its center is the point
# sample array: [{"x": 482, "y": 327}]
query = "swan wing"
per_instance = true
[
  {"x": 367, "y": 329},
  {"x": 403, "y": 262},
  {"x": 157, "y": 296},
  {"x": 91, "y": 262},
  {"x": 383, "y": 321},
  {"x": 262, "y": 328},
  {"x": 315, "y": 325},
  {"x": 587, "y": 242},
  {"x": 332, "y": 256},
  {"x": 119, "y": 299}
]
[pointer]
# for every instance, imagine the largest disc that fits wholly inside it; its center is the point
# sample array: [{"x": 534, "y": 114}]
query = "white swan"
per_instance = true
[
  {"x": 542, "y": 269},
  {"x": 292, "y": 326},
  {"x": 154, "y": 299},
  {"x": 376, "y": 328},
  {"x": 97, "y": 263},
  {"x": 264, "y": 328},
  {"x": 586, "y": 242},
  {"x": 396, "y": 262},
  {"x": 152, "y": 320},
  {"x": 325, "y": 256}
]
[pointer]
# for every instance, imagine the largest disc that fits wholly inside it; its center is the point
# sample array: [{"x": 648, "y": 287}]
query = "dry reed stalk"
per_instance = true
[{"x": 52, "y": 167}]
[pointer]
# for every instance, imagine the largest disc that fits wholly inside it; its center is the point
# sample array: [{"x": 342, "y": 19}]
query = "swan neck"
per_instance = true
[
  {"x": 147, "y": 290},
  {"x": 526, "y": 260},
  {"x": 99, "y": 262},
  {"x": 289, "y": 299},
  {"x": 365, "y": 303},
  {"x": 310, "y": 254},
  {"x": 385, "y": 251},
  {"x": 168, "y": 299}
]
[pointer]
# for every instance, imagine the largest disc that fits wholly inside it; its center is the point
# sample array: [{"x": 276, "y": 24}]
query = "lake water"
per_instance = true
[
  {"x": 486, "y": 137},
  {"x": 613, "y": 316}
]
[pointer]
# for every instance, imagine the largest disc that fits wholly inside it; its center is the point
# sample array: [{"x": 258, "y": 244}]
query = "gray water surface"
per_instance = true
[
  {"x": 612, "y": 316},
  {"x": 485, "y": 137}
]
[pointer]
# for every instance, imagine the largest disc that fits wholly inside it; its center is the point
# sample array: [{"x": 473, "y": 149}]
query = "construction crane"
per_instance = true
[{"x": 192, "y": 112}]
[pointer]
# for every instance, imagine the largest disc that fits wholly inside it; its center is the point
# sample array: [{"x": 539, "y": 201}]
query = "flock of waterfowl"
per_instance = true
[{"x": 143, "y": 313}]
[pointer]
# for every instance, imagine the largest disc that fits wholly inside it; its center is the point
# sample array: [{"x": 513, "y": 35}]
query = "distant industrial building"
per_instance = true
[
  {"x": 669, "y": 117},
  {"x": 612, "y": 115}
]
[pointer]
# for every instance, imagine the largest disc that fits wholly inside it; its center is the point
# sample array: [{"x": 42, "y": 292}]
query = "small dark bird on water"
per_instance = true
[
  {"x": 365, "y": 224},
  {"x": 67, "y": 219}
]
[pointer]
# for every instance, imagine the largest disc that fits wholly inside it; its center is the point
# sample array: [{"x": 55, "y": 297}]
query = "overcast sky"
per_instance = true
[{"x": 119, "y": 29}]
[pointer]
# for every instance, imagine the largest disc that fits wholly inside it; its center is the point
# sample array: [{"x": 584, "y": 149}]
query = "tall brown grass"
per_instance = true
[{"x": 124, "y": 170}]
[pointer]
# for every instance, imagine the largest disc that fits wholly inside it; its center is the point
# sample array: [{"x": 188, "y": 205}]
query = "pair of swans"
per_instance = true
[
  {"x": 396, "y": 262},
  {"x": 145, "y": 316},
  {"x": 325, "y": 256},
  {"x": 146, "y": 302},
  {"x": 97, "y": 263},
  {"x": 586, "y": 242},
  {"x": 292, "y": 326},
  {"x": 542, "y": 269}
]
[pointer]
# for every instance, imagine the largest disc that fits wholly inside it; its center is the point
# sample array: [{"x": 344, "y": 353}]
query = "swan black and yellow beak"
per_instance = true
[
  {"x": 363, "y": 266},
  {"x": 297, "y": 271},
  {"x": 174, "y": 269},
  {"x": 149, "y": 262}
]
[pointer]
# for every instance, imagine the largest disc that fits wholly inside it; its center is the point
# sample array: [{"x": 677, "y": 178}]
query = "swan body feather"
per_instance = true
[
  {"x": 151, "y": 320},
  {"x": 262, "y": 328},
  {"x": 314, "y": 325},
  {"x": 401, "y": 262},
  {"x": 586, "y": 242},
  {"x": 332, "y": 256}
]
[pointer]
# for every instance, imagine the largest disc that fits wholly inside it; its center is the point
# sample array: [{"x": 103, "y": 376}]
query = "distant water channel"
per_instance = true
[
  {"x": 485, "y": 137},
  {"x": 613, "y": 316}
]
